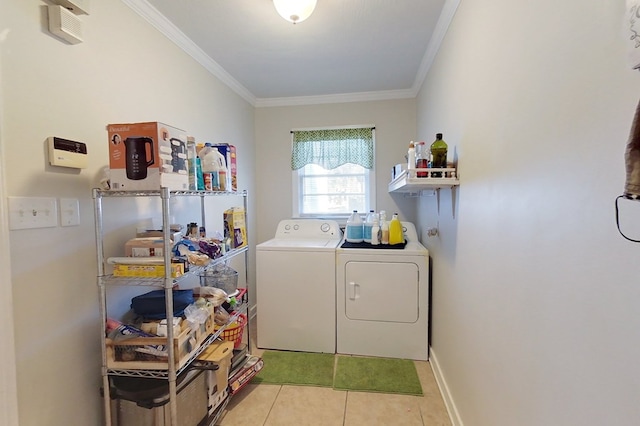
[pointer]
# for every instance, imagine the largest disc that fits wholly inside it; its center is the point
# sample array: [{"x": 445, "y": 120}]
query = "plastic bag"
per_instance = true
[{"x": 195, "y": 315}]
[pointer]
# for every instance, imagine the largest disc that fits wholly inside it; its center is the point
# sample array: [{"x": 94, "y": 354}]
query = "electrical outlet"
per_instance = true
[
  {"x": 432, "y": 232},
  {"x": 69, "y": 212},
  {"x": 32, "y": 212}
]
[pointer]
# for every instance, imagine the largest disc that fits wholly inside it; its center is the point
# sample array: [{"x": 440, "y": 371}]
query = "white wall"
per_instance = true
[
  {"x": 395, "y": 123},
  {"x": 535, "y": 295},
  {"x": 124, "y": 71}
]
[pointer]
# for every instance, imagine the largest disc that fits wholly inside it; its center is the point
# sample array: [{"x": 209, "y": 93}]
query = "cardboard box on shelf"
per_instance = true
[
  {"x": 147, "y": 156},
  {"x": 175, "y": 236},
  {"x": 133, "y": 353},
  {"x": 235, "y": 227},
  {"x": 144, "y": 247},
  {"x": 228, "y": 151},
  {"x": 218, "y": 381},
  {"x": 146, "y": 271}
]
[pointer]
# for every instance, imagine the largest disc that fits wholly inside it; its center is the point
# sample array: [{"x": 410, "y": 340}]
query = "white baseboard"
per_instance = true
[{"x": 454, "y": 416}]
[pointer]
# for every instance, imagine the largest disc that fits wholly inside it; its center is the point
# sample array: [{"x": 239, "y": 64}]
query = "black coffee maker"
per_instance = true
[{"x": 138, "y": 159}]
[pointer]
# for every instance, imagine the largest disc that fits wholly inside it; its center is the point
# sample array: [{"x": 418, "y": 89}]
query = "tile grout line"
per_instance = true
[{"x": 272, "y": 405}]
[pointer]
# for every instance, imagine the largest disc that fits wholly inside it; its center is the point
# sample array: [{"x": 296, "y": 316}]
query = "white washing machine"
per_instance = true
[
  {"x": 295, "y": 286},
  {"x": 382, "y": 304}
]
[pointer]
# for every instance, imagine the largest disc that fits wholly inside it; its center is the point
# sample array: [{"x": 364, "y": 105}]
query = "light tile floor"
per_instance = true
[{"x": 275, "y": 405}]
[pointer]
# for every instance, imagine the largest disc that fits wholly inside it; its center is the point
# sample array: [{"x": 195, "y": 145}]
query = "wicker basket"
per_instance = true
[{"x": 233, "y": 332}]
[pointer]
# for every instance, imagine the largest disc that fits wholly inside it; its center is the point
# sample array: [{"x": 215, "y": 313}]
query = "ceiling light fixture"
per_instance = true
[{"x": 295, "y": 10}]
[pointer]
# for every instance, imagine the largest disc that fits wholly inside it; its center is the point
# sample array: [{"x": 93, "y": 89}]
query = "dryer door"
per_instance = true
[{"x": 381, "y": 291}]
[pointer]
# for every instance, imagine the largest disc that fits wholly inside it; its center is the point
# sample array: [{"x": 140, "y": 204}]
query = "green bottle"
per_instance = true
[{"x": 439, "y": 153}]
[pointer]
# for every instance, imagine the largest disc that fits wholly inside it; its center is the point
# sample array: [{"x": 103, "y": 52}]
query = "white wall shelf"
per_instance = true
[{"x": 408, "y": 181}]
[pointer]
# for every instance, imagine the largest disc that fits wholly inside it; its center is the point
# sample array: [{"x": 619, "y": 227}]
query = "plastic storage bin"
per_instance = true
[{"x": 140, "y": 401}]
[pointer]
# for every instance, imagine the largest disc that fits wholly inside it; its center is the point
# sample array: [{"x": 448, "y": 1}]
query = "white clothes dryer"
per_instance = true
[
  {"x": 295, "y": 286},
  {"x": 382, "y": 303}
]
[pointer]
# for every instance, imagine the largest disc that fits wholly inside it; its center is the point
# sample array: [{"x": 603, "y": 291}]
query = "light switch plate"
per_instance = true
[
  {"x": 32, "y": 212},
  {"x": 69, "y": 212}
]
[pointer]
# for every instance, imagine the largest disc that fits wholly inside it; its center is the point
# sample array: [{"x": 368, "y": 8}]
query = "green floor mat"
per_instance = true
[
  {"x": 296, "y": 368},
  {"x": 384, "y": 375}
]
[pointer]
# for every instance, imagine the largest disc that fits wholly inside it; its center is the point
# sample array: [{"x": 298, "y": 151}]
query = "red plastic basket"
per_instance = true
[{"x": 233, "y": 333}]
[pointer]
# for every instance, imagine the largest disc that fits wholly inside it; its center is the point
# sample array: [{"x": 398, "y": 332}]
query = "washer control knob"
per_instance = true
[
  {"x": 325, "y": 227},
  {"x": 296, "y": 227},
  {"x": 287, "y": 227}
]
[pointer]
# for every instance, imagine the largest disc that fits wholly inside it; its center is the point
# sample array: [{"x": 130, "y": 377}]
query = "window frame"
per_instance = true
[{"x": 369, "y": 175}]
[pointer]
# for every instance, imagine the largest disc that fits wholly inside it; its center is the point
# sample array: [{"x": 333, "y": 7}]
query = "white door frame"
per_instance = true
[{"x": 8, "y": 387}]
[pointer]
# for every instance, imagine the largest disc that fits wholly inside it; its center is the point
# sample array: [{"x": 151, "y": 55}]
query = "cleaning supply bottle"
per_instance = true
[
  {"x": 384, "y": 228},
  {"x": 221, "y": 167},
  {"x": 199, "y": 175},
  {"x": 375, "y": 231},
  {"x": 209, "y": 172},
  {"x": 355, "y": 228},
  {"x": 368, "y": 224},
  {"x": 439, "y": 153},
  {"x": 214, "y": 168},
  {"x": 411, "y": 157},
  {"x": 395, "y": 230}
]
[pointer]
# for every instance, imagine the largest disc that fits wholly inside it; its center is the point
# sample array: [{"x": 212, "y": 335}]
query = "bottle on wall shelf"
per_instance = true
[
  {"x": 439, "y": 153},
  {"x": 384, "y": 228},
  {"x": 395, "y": 230},
  {"x": 422, "y": 159},
  {"x": 355, "y": 228},
  {"x": 368, "y": 224},
  {"x": 411, "y": 156}
]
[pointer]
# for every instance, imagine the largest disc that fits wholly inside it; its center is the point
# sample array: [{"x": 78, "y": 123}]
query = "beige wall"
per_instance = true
[
  {"x": 395, "y": 123},
  {"x": 535, "y": 295},
  {"x": 124, "y": 71}
]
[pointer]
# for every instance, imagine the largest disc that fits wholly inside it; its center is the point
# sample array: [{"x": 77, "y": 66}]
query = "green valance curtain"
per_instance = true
[{"x": 331, "y": 148}]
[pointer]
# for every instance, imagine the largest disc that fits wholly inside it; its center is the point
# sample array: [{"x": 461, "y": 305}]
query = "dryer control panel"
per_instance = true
[{"x": 308, "y": 228}]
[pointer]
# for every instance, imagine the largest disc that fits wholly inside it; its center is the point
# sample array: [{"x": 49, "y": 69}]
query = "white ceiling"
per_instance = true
[{"x": 347, "y": 50}]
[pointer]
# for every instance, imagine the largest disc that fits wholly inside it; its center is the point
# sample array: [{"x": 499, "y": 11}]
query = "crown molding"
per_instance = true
[
  {"x": 166, "y": 27},
  {"x": 444, "y": 21},
  {"x": 335, "y": 99}
]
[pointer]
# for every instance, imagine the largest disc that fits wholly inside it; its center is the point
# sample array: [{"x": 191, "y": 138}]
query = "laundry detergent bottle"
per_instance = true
[
  {"x": 395, "y": 230},
  {"x": 375, "y": 231},
  {"x": 368, "y": 224},
  {"x": 355, "y": 228}
]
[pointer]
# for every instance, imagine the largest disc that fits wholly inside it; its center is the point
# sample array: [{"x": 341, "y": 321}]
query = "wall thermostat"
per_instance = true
[{"x": 67, "y": 153}]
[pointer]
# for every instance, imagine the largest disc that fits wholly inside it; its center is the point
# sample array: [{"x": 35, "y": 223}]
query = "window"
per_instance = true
[{"x": 333, "y": 172}]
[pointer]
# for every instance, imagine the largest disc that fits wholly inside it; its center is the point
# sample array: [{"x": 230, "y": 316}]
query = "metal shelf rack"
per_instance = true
[{"x": 167, "y": 283}]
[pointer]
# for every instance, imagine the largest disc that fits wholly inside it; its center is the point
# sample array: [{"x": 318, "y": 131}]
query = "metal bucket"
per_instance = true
[{"x": 225, "y": 279}]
